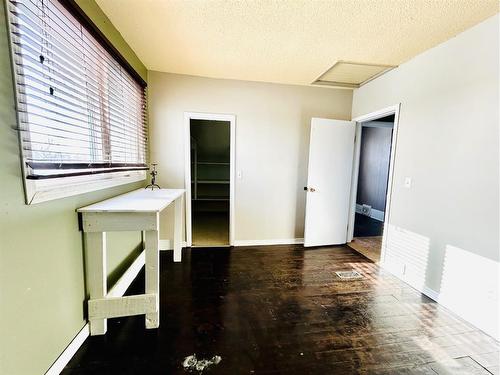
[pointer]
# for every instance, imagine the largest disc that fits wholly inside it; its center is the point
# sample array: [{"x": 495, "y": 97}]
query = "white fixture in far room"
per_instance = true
[{"x": 366, "y": 209}]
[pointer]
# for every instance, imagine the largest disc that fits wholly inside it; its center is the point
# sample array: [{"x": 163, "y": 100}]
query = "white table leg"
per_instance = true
[
  {"x": 153, "y": 275},
  {"x": 96, "y": 275},
  {"x": 178, "y": 229}
]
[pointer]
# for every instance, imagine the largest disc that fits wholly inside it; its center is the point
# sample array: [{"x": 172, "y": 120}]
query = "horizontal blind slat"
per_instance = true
[
  {"x": 81, "y": 172},
  {"x": 76, "y": 130},
  {"x": 32, "y": 65},
  {"x": 66, "y": 135},
  {"x": 61, "y": 101}
]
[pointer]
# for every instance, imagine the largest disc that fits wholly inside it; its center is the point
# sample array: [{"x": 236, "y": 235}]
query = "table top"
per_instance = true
[{"x": 141, "y": 200}]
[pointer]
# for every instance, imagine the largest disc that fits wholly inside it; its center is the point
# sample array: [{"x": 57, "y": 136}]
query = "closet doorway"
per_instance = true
[{"x": 209, "y": 155}]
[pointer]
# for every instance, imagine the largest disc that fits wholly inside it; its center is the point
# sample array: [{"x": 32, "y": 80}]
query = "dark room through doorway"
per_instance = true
[{"x": 371, "y": 196}]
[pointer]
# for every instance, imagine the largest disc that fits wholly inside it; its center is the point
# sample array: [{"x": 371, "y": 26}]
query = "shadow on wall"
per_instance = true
[
  {"x": 469, "y": 283},
  {"x": 407, "y": 255}
]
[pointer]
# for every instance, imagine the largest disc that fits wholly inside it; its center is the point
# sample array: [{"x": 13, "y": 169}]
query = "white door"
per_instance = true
[{"x": 331, "y": 150}]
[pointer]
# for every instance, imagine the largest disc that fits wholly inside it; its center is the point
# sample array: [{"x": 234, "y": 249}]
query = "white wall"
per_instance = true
[
  {"x": 443, "y": 235},
  {"x": 272, "y": 137}
]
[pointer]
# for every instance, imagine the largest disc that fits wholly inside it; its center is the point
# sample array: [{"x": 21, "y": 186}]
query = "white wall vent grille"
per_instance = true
[{"x": 349, "y": 275}]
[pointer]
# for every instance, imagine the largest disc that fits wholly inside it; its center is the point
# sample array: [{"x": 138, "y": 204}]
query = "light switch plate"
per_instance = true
[{"x": 407, "y": 182}]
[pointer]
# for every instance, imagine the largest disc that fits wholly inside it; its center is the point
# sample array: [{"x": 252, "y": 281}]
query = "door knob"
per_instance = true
[{"x": 311, "y": 190}]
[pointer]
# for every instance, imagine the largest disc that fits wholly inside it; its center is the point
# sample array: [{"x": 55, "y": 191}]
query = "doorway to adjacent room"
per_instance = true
[{"x": 375, "y": 147}]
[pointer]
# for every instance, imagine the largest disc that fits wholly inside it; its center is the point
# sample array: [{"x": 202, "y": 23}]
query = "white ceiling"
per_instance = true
[{"x": 289, "y": 41}]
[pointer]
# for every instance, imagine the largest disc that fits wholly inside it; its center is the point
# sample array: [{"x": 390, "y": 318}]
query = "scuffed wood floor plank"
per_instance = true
[{"x": 283, "y": 310}]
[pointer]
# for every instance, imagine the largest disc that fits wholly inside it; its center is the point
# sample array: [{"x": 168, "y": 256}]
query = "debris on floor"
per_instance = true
[{"x": 192, "y": 363}]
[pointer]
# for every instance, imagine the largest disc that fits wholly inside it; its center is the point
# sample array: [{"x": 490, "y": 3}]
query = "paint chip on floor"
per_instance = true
[{"x": 191, "y": 363}]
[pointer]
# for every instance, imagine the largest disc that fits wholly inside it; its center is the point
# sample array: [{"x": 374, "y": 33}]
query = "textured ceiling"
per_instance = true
[{"x": 291, "y": 41}]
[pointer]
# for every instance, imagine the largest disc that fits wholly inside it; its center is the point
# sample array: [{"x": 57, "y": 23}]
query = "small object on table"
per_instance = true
[{"x": 153, "y": 174}]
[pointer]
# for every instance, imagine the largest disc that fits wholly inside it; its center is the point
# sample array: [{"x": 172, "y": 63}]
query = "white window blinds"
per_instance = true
[{"x": 80, "y": 110}]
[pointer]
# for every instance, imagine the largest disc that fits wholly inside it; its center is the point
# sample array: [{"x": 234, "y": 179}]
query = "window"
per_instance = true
[{"x": 81, "y": 108}]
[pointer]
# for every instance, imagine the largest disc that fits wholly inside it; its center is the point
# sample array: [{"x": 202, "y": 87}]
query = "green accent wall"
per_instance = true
[{"x": 42, "y": 285}]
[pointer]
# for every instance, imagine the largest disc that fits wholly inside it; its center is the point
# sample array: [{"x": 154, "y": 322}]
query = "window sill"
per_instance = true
[{"x": 38, "y": 191}]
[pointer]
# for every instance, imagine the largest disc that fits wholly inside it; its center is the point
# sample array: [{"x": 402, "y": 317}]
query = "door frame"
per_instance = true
[
  {"x": 188, "y": 116},
  {"x": 372, "y": 116}
]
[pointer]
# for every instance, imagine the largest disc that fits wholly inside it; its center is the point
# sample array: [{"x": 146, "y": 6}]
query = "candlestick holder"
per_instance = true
[{"x": 153, "y": 174}]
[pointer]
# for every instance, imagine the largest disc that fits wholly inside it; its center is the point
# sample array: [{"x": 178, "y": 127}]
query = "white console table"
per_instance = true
[{"x": 138, "y": 210}]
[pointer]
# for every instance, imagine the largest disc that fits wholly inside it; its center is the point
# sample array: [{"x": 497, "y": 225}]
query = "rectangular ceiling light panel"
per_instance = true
[{"x": 350, "y": 74}]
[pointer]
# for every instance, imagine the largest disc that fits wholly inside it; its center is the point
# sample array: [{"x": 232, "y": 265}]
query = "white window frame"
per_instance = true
[{"x": 38, "y": 191}]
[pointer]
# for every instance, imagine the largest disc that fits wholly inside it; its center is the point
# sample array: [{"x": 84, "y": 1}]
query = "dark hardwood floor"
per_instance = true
[{"x": 283, "y": 310}]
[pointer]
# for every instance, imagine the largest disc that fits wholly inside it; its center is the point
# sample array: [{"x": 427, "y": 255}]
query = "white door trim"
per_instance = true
[
  {"x": 395, "y": 109},
  {"x": 188, "y": 116}
]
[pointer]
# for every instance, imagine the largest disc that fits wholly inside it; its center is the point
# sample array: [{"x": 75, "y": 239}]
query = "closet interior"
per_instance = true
[{"x": 210, "y": 182}]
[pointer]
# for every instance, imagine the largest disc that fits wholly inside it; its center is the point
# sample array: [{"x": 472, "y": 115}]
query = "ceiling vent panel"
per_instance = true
[{"x": 351, "y": 74}]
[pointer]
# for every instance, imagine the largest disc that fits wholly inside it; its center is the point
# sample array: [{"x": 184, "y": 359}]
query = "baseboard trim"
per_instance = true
[
  {"x": 287, "y": 241},
  {"x": 69, "y": 352},
  {"x": 432, "y": 294},
  {"x": 374, "y": 214},
  {"x": 117, "y": 290},
  {"x": 436, "y": 297},
  {"x": 166, "y": 245}
]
